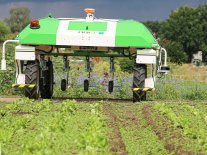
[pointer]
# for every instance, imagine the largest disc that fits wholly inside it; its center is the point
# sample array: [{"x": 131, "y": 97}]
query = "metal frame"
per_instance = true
[{"x": 89, "y": 54}]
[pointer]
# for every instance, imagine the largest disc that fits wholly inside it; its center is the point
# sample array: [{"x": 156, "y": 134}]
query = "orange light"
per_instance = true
[
  {"x": 89, "y": 10},
  {"x": 34, "y": 23}
]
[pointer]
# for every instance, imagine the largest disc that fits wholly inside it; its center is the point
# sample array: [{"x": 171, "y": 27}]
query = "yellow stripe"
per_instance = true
[
  {"x": 145, "y": 89},
  {"x": 31, "y": 86},
  {"x": 153, "y": 89},
  {"x": 22, "y": 85},
  {"x": 135, "y": 89}
]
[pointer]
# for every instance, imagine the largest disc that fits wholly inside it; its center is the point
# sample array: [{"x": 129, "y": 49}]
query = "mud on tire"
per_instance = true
[{"x": 140, "y": 73}]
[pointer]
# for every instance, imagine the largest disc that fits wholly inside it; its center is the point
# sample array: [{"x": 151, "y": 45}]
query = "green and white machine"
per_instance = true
[{"x": 89, "y": 37}]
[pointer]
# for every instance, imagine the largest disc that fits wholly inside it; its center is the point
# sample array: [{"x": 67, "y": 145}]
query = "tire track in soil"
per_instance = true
[
  {"x": 116, "y": 141},
  {"x": 166, "y": 132}
]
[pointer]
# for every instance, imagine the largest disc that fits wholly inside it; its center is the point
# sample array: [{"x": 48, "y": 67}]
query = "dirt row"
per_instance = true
[
  {"x": 165, "y": 131},
  {"x": 116, "y": 141}
]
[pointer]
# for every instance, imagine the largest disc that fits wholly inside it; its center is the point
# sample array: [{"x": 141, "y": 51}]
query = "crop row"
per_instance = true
[
  {"x": 197, "y": 133},
  {"x": 46, "y": 127}
]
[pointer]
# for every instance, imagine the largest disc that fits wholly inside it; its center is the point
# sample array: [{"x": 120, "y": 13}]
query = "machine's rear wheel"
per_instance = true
[
  {"x": 140, "y": 73},
  {"x": 63, "y": 84},
  {"x": 111, "y": 86},
  {"x": 47, "y": 90},
  {"x": 86, "y": 85},
  {"x": 32, "y": 77}
]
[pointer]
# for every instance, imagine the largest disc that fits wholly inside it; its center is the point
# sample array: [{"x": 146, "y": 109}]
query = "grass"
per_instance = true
[
  {"x": 189, "y": 72},
  {"x": 169, "y": 88}
]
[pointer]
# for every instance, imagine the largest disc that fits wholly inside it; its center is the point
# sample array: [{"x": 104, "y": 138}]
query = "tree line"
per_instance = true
[
  {"x": 19, "y": 19},
  {"x": 183, "y": 34}
]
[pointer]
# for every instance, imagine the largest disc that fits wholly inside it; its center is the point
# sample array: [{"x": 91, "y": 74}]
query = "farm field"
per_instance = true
[
  {"x": 172, "y": 120},
  {"x": 103, "y": 127}
]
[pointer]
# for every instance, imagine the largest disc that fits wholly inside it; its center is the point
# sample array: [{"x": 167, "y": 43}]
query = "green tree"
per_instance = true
[
  {"x": 176, "y": 52},
  {"x": 126, "y": 65},
  {"x": 183, "y": 26},
  {"x": 4, "y": 30},
  {"x": 202, "y": 15},
  {"x": 153, "y": 26},
  {"x": 19, "y": 19}
]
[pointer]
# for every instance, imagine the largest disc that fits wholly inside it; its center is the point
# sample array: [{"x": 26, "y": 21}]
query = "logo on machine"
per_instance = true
[
  {"x": 86, "y": 32},
  {"x": 89, "y": 32}
]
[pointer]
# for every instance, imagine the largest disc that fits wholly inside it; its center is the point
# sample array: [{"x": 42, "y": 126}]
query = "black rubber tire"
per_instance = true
[
  {"x": 32, "y": 77},
  {"x": 111, "y": 86},
  {"x": 140, "y": 73},
  {"x": 47, "y": 90},
  {"x": 63, "y": 84},
  {"x": 86, "y": 85}
]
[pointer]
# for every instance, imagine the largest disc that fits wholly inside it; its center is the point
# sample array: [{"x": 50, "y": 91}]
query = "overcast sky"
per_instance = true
[{"x": 140, "y": 10}]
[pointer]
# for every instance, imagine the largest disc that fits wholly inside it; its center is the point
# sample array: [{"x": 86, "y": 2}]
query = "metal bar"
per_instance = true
[
  {"x": 3, "y": 61},
  {"x": 90, "y": 54},
  {"x": 160, "y": 58},
  {"x": 112, "y": 69},
  {"x": 165, "y": 63}
]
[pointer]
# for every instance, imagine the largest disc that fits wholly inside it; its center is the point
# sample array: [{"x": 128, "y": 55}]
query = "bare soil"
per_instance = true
[
  {"x": 9, "y": 99},
  {"x": 21, "y": 113},
  {"x": 118, "y": 146}
]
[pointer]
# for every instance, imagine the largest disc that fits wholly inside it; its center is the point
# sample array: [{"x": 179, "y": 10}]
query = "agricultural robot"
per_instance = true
[{"x": 41, "y": 40}]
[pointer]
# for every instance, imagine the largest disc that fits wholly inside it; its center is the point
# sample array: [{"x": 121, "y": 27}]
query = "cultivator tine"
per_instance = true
[
  {"x": 23, "y": 85},
  {"x": 144, "y": 89}
]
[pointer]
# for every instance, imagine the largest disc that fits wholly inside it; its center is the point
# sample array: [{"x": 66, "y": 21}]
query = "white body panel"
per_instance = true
[
  {"x": 145, "y": 59},
  {"x": 20, "y": 79},
  {"x": 86, "y": 38},
  {"x": 3, "y": 64},
  {"x": 25, "y": 55},
  {"x": 149, "y": 82},
  {"x": 146, "y": 56},
  {"x": 24, "y": 52}
]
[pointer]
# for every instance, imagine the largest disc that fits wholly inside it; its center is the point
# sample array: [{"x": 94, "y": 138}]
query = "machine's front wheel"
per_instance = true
[
  {"x": 140, "y": 73},
  {"x": 32, "y": 77}
]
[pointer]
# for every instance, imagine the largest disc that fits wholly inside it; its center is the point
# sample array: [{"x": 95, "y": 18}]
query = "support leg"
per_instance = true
[
  {"x": 64, "y": 82},
  {"x": 112, "y": 70},
  {"x": 88, "y": 69}
]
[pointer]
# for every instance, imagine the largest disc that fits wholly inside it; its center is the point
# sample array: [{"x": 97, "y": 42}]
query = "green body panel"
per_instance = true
[
  {"x": 133, "y": 33},
  {"x": 46, "y": 34},
  {"x": 128, "y": 33},
  {"x": 87, "y": 26}
]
